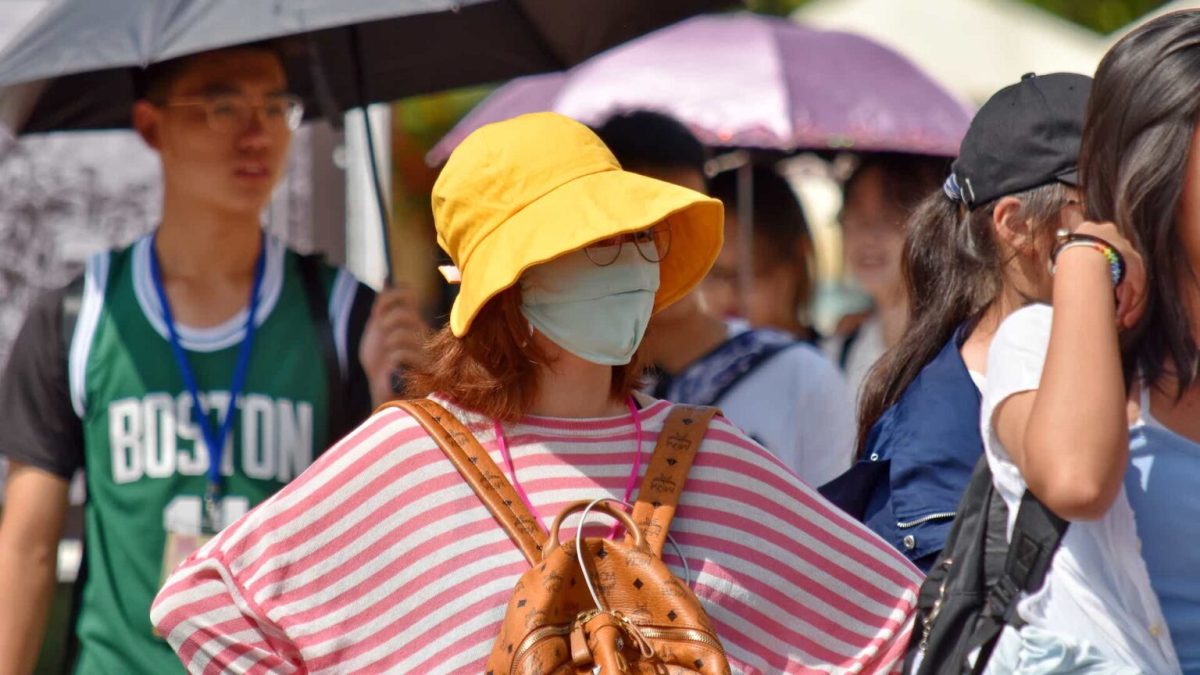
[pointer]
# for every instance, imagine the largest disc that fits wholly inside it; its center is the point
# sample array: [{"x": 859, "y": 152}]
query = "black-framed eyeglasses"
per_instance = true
[
  {"x": 231, "y": 113},
  {"x": 652, "y": 244}
]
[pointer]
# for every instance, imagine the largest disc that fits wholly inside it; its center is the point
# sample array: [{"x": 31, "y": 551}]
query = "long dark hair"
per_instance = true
[
  {"x": 953, "y": 270},
  {"x": 781, "y": 234},
  {"x": 1136, "y": 139}
]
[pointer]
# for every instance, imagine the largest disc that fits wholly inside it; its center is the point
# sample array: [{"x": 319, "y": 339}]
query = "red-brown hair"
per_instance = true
[{"x": 492, "y": 369}]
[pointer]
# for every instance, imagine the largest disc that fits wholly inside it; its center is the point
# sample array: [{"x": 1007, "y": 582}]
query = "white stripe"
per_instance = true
[
  {"x": 739, "y": 651},
  {"x": 448, "y": 617},
  {"x": 479, "y": 569},
  {"x": 248, "y": 660},
  {"x": 366, "y": 523},
  {"x": 477, "y": 653},
  {"x": 193, "y": 592},
  {"x": 798, "y": 512},
  {"x": 341, "y": 301},
  {"x": 831, "y": 520},
  {"x": 299, "y": 531},
  {"x": 218, "y": 337},
  {"x": 399, "y": 552},
  {"x": 794, "y": 585},
  {"x": 329, "y": 468},
  {"x": 94, "y": 285},
  {"x": 210, "y": 648},
  {"x": 193, "y": 625}
]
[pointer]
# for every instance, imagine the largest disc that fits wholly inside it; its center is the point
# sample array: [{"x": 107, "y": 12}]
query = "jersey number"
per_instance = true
[{"x": 183, "y": 513}]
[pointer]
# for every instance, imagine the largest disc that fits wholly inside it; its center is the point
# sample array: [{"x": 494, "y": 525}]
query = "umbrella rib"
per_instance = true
[{"x": 541, "y": 38}]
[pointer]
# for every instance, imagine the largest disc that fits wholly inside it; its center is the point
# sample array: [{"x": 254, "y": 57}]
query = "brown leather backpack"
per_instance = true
[{"x": 621, "y": 611}]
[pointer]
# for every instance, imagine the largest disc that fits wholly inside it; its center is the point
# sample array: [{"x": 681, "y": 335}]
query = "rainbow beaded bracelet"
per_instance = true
[{"x": 1068, "y": 240}]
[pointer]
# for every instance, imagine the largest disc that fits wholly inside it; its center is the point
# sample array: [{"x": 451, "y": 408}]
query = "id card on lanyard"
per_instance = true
[{"x": 181, "y": 544}]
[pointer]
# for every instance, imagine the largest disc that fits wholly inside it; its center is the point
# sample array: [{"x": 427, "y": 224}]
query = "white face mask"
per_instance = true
[{"x": 597, "y": 313}]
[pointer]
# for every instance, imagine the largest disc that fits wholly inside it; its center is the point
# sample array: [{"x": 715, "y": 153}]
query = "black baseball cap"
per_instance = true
[{"x": 1026, "y": 135}]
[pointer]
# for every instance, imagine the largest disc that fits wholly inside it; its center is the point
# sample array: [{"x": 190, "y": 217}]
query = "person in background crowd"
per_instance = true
[
  {"x": 784, "y": 277},
  {"x": 382, "y": 558},
  {"x": 190, "y": 375},
  {"x": 878, "y": 198},
  {"x": 781, "y": 391},
  {"x": 969, "y": 261},
  {"x": 1141, "y": 169}
]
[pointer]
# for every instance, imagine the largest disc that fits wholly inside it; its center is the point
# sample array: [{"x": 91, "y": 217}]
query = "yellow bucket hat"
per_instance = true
[{"x": 527, "y": 190}]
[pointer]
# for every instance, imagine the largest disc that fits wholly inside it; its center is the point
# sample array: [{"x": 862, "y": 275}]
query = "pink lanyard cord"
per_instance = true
[
  {"x": 512, "y": 472},
  {"x": 630, "y": 483}
]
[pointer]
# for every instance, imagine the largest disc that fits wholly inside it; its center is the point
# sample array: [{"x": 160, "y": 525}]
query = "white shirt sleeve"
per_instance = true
[
  {"x": 825, "y": 422},
  {"x": 1015, "y": 361}
]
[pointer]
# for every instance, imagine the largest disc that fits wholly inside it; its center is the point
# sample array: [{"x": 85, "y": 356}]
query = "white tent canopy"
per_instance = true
[{"x": 974, "y": 47}]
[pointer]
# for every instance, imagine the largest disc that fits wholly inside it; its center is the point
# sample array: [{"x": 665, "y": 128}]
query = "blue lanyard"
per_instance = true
[{"x": 213, "y": 438}]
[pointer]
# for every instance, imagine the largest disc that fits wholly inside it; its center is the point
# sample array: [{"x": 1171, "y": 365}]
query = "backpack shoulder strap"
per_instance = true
[
  {"x": 477, "y": 468},
  {"x": 659, "y": 493},
  {"x": 318, "y": 312},
  {"x": 1036, "y": 535},
  {"x": 748, "y": 368}
]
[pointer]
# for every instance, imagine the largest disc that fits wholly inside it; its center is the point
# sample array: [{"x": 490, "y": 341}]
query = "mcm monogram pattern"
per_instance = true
[{"x": 649, "y": 622}]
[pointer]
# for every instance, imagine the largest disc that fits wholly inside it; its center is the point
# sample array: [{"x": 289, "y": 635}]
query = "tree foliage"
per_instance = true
[{"x": 1103, "y": 16}]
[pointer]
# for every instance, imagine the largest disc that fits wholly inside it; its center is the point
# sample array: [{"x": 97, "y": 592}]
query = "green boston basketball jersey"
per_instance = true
[{"x": 146, "y": 462}]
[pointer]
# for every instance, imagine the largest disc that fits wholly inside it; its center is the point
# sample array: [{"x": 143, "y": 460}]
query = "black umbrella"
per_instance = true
[
  {"x": 393, "y": 48},
  {"x": 72, "y": 67}
]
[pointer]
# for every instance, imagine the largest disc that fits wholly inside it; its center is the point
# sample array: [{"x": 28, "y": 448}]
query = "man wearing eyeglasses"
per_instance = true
[{"x": 191, "y": 374}]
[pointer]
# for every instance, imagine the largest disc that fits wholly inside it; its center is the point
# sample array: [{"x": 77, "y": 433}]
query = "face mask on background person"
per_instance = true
[{"x": 598, "y": 313}]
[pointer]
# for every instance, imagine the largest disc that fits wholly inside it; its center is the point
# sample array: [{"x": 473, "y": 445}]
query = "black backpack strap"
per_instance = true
[
  {"x": 72, "y": 301},
  {"x": 1036, "y": 535},
  {"x": 318, "y": 310},
  {"x": 847, "y": 345}
]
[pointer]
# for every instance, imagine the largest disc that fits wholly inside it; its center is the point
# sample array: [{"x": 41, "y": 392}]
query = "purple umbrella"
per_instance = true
[{"x": 749, "y": 81}]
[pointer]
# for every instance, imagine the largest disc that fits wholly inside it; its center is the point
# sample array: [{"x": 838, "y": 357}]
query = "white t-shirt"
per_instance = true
[
  {"x": 867, "y": 348},
  {"x": 1097, "y": 588},
  {"x": 798, "y": 406}
]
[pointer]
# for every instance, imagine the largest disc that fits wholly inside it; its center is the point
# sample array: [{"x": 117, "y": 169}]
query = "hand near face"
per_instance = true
[
  {"x": 1131, "y": 294},
  {"x": 392, "y": 341}
]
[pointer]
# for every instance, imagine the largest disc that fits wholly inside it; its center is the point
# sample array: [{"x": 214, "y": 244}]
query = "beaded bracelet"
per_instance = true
[{"x": 1068, "y": 240}]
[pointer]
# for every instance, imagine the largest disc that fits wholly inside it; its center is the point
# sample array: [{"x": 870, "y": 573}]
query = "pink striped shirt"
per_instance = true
[{"x": 380, "y": 558}]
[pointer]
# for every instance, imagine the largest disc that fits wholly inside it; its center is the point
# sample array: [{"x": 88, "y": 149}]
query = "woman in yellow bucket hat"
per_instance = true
[{"x": 381, "y": 558}]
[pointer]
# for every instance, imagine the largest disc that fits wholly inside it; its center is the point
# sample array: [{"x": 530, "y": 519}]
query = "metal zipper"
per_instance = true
[
  {"x": 682, "y": 633},
  {"x": 927, "y": 622},
  {"x": 924, "y": 519},
  {"x": 535, "y": 637}
]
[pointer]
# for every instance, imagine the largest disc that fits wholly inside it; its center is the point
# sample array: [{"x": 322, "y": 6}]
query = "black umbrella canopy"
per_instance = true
[{"x": 73, "y": 67}]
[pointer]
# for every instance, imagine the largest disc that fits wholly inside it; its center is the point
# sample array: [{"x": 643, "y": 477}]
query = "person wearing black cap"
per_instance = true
[
  {"x": 973, "y": 254},
  {"x": 1054, "y": 419}
]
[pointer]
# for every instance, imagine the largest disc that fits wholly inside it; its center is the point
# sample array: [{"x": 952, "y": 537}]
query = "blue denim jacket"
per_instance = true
[{"x": 918, "y": 459}]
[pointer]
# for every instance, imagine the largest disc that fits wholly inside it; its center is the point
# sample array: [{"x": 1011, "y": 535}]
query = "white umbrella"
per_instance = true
[{"x": 974, "y": 47}]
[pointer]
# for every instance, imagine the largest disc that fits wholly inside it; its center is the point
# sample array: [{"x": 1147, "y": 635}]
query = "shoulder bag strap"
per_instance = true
[
  {"x": 477, "y": 468},
  {"x": 318, "y": 312},
  {"x": 659, "y": 493}
]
